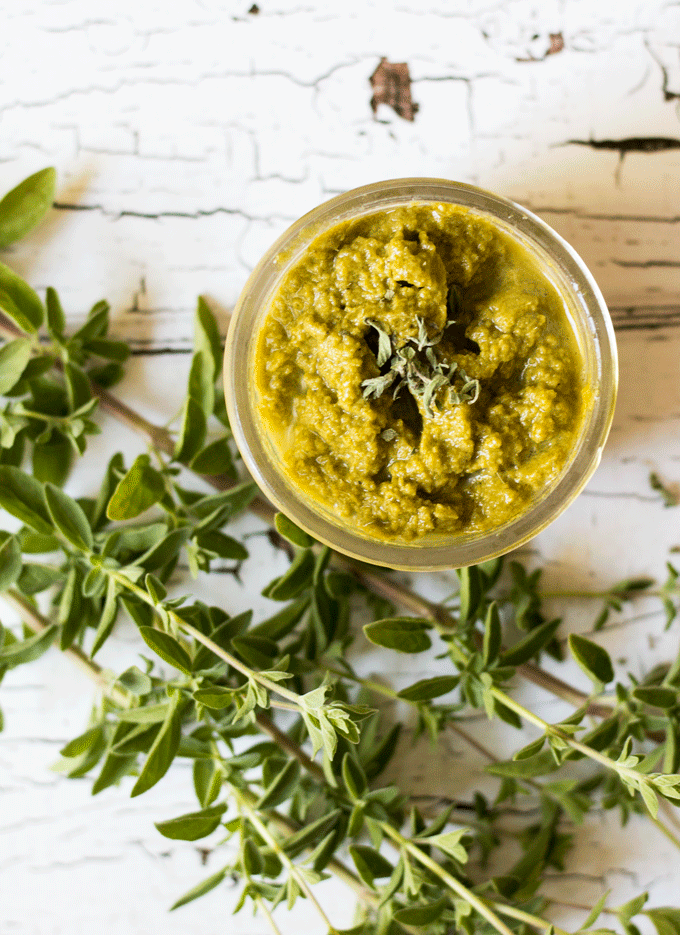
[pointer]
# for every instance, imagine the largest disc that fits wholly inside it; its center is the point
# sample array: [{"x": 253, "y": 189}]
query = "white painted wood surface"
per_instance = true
[{"x": 187, "y": 136}]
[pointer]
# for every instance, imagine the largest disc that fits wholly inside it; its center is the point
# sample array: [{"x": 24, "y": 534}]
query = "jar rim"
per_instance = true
[{"x": 586, "y": 303}]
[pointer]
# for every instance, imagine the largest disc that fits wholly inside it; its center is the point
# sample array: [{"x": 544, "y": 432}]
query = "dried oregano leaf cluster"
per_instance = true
[{"x": 287, "y": 744}]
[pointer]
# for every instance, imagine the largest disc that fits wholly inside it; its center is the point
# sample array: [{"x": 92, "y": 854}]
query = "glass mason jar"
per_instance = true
[{"x": 584, "y": 306}]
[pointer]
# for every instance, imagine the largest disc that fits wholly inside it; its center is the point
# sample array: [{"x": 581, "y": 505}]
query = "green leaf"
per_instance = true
[
  {"x": 532, "y": 643},
  {"x": 95, "y": 326},
  {"x": 207, "y": 781},
  {"x": 118, "y": 351},
  {"x": 282, "y": 787},
  {"x": 22, "y": 496},
  {"x": 162, "y": 752},
  {"x": 427, "y": 689},
  {"x": 421, "y": 915},
  {"x": 216, "y": 697},
  {"x": 595, "y": 912},
  {"x": 138, "y": 490},
  {"x": 370, "y": 863},
  {"x": 135, "y": 681},
  {"x": 56, "y": 320},
  {"x": 201, "y": 382},
  {"x": 192, "y": 432},
  {"x": 666, "y": 920},
  {"x": 215, "y": 458},
  {"x": 470, "y": 592},
  {"x": 10, "y": 560},
  {"x": 291, "y": 532},
  {"x": 69, "y": 518},
  {"x": 168, "y": 648},
  {"x": 296, "y": 579},
  {"x": 83, "y": 742},
  {"x": 450, "y": 844},
  {"x": 156, "y": 588},
  {"x": 19, "y": 301},
  {"x": 493, "y": 636},
  {"x": 193, "y": 826},
  {"x": 538, "y": 765},
  {"x": 51, "y": 461},
  {"x": 222, "y": 545},
  {"x": 78, "y": 387},
  {"x": 311, "y": 834},
  {"x": 35, "y": 578},
  {"x": 593, "y": 659},
  {"x": 28, "y": 650},
  {"x": 353, "y": 777},
  {"x": 197, "y": 891},
  {"x": 108, "y": 617},
  {"x": 656, "y": 696},
  {"x": 25, "y": 206},
  {"x": 405, "y": 634},
  {"x": 13, "y": 359},
  {"x": 207, "y": 335},
  {"x": 149, "y": 714}
]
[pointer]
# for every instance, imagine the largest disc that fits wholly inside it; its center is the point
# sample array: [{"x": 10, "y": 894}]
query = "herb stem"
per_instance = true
[
  {"x": 207, "y": 642},
  {"x": 35, "y": 620},
  {"x": 673, "y": 838},
  {"x": 481, "y": 907},
  {"x": 527, "y": 917},
  {"x": 262, "y": 906},
  {"x": 293, "y": 869}
]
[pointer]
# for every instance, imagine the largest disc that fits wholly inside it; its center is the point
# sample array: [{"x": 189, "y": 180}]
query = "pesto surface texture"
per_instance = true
[{"x": 417, "y": 374}]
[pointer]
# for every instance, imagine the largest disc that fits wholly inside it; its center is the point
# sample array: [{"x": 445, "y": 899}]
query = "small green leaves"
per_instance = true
[
  {"x": 422, "y": 915},
  {"x": 531, "y": 644},
  {"x": 69, "y": 518},
  {"x": 450, "y": 843},
  {"x": 168, "y": 648},
  {"x": 28, "y": 650},
  {"x": 293, "y": 533},
  {"x": 427, "y": 689},
  {"x": 19, "y": 301},
  {"x": 22, "y": 496},
  {"x": 138, "y": 490},
  {"x": 25, "y": 206},
  {"x": 193, "y": 826},
  {"x": 207, "y": 335},
  {"x": 405, "y": 634},
  {"x": 656, "y": 696},
  {"x": 10, "y": 560},
  {"x": 201, "y": 889},
  {"x": 666, "y": 920},
  {"x": 370, "y": 863},
  {"x": 13, "y": 359},
  {"x": 470, "y": 592},
  {"x": 281, "y": 787},
  {"x": 192, "y": 431},
  {"x": 162, "y": 752},
  {"x": 593, "y": 659}
]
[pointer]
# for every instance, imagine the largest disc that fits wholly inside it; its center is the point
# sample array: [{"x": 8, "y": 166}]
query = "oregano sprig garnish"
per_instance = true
[{"x": 415, "y": 365}]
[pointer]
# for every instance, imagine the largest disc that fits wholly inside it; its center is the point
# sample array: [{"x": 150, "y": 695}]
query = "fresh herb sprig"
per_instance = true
[
  {"x": 221, "y": 680},
  {"x": 414, "y": 365}
]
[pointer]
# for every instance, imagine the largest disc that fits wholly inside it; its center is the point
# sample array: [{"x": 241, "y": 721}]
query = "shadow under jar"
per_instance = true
[{"x": 421, "y": 374}]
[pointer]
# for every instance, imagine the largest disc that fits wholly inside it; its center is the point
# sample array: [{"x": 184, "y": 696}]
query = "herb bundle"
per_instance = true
[
  {"x": 415, "y": 365},
  {"x": 288, "y": 744}
]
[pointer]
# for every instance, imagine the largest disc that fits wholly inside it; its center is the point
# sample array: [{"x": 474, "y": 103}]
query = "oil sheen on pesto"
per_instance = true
[{"x": 441, "y": 463}]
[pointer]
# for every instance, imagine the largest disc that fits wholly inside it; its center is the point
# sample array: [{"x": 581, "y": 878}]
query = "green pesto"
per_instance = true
[{"x": 398, "y": 469}]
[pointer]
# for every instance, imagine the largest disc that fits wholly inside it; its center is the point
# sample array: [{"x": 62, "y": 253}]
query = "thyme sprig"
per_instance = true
[
  {"x": 415, "y": 365},
  {"x": 251, "y": 703}
]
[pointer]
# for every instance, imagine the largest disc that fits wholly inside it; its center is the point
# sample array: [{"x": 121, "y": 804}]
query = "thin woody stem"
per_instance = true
[
  {"x": 293, "y": 869},
  {"x": 35, "y": 620}
]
